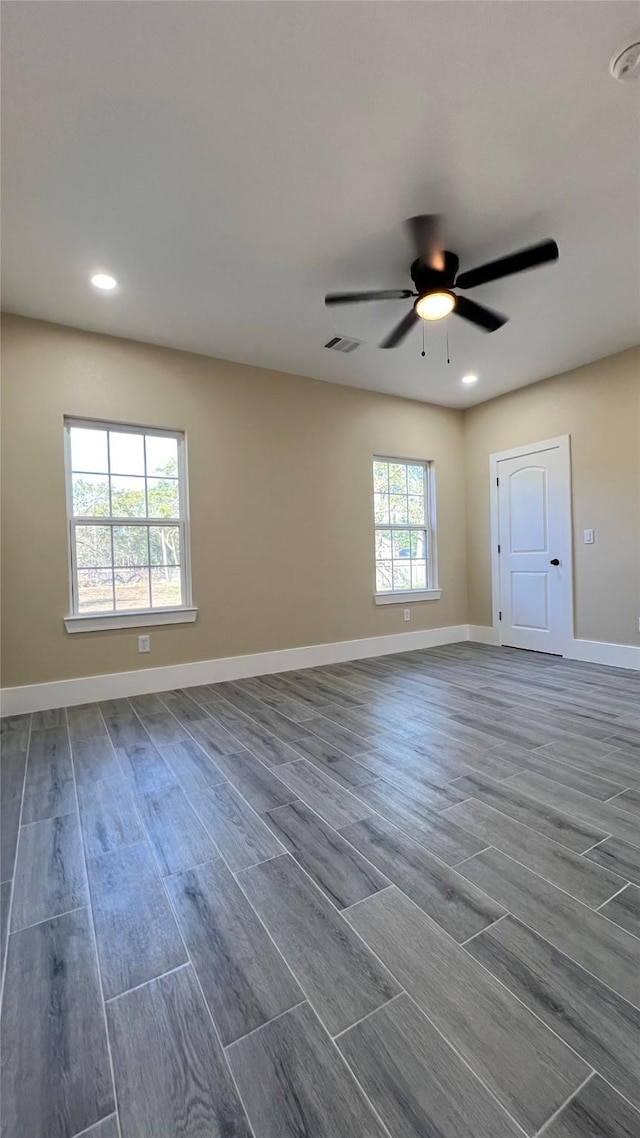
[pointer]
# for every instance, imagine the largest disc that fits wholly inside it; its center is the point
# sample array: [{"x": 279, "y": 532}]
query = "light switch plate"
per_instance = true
[{"x": 588, "y": 537}]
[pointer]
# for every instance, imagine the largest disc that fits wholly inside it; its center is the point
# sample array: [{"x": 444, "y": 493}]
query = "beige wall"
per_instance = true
[
  {"x": 280, "y": 485},
  {"x": 280, "y": 490},
  {"x": 599, "y": 407}
]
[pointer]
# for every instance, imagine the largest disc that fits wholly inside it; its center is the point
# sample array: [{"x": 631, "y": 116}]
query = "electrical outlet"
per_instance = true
[
  {"x": 588, "y": 537},
  {"x": 144, "y": 644},
  {"x": 406, "y": 614}
]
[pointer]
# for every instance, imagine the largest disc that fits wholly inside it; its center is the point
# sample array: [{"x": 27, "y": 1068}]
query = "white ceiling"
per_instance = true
[{"x": 229, "y": 163}]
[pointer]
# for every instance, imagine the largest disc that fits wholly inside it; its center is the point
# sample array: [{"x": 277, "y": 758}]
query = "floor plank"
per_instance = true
[
  {"x": 558, "y": 864},
  {"x": 108, "y": 1128},
  {"x": 108, "y": 815},
  {"x": 256, "y": 738},
  {"x": 255, "y": 781},
  {"x": 180, "y": 704},
  {"x": 527, "y": 1068},
  {"x": 125, "y": 730},
  {"x": 48, "y": 788},
  {"x": 55, "y": 717},
  {"x": 190, "y": 766},
  {"x": 276, "y": 700},
  {"x": 629, "y": 801},
  {"x": 144, "y": 768},
  {"x": 342, "y": 874},
  {"x": 433, "y": 885},
  {"x": 12, "y": 768},
  {"x": 119, "y": 706},
  {"x": 617, "y": 857},
  {"x": 608, "y": 818},
  {"x": 244, "y": 978},
  {"x": 9, "y": 826},
  {"x": 50, "y": 876},
  {"x": 14, "y": 734},
  {"x": 599, "y": 1025},
  {"x": 614, "y": 765},
  {"x": 337, "y": 736},
  {"x": 5, "y": 901},
  {"x": 85, "y": 721},
  {"x": 147, "y": 704},
  {"x": 596, "y": 1112},
  {"x": 163, "y": 727},
  {"x": 284, "y": 729},
  {"x": 340, "y": 977},
  {"x": 238, "y": 833},
  {"x": 178, "y": 838},
  {"x": 94, "y": 759},
  {"x": 328, "y": 759},
  {"x": 293, "y": 1083},
  {"x": 56, "y": 1076},
  {"x": 182, "y": 1084},
  {"x": 332, "y": 802},
  {"x": 561, "y": 770},
  {"x": 214, "y": 738},
  {"x": 417, "y": 814},
  {"x": 415, "y": 1080},
  {"x": 609, "y": 952},
  {"x": 511, "y": 799},
  {"x": 624, "y": 909},
  {"x": 137, "y": 936}
]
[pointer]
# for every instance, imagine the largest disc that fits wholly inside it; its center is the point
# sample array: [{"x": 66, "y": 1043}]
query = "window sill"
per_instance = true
[
  {"x": 410, "y": 595},
  {"x": 98, "y": 623}
]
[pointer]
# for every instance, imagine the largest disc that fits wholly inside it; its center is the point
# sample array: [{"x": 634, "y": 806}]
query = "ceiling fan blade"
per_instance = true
[
  {"x": 426, "y": 237},
  {"x": 516, "y": 263},
  {"x": 401, "y": 329},
  {"x": 356, "y": 297},
  {"x": 477, "y": 313}
]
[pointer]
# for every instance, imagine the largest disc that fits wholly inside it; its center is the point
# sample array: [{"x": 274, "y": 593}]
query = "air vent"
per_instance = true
[{"x": 341, "y": 344}]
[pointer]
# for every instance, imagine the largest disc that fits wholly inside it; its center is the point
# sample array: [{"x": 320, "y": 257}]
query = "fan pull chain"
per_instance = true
[
  {"x": 448, "y": 357},
  {"x": 423, "y": 351}
]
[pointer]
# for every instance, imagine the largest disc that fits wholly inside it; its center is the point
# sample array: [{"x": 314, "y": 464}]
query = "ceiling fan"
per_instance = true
[{"x": 433, "y": 273}]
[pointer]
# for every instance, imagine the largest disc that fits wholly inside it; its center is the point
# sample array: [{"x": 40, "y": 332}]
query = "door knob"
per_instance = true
[{"x": 554, "y": 561}]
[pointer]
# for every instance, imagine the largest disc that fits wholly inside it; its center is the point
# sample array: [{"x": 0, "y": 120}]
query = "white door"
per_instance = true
[{"x": 534, "y": 542}]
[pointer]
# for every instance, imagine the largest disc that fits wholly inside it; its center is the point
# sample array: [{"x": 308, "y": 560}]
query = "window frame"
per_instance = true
[
  {"x": 432, "y": 592},
  {"x": 128, "y": 618}
]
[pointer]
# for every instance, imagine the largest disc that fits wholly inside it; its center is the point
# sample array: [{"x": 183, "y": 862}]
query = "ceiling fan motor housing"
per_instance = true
[{"x": 427, "y": 279}]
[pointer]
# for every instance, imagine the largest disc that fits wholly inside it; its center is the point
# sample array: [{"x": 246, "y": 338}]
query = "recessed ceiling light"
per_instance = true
[
  {"x": 104, "y": 281},
  {"x": 435, "y": 305},
  {"x": 469, "y": 379}
]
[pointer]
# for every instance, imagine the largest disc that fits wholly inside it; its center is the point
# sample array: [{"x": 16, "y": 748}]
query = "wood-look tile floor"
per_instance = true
[{"x": 397, "y": 897}]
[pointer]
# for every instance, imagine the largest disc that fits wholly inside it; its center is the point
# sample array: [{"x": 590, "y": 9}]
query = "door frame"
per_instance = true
[{"x": 562, "y": 443}]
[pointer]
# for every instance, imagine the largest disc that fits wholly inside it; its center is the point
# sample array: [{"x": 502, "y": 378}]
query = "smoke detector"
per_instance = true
[{"x": 625, "y": 64}]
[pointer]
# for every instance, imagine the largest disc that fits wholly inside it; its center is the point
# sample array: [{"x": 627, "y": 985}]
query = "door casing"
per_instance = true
[{"x": 562, "y": 443}]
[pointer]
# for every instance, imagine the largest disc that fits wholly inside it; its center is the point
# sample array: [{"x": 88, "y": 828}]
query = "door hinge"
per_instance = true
[
  {"x": 499, "y": 616},
  {"x": 498, "y": 547},
  {"x": 497, "y": 481}
]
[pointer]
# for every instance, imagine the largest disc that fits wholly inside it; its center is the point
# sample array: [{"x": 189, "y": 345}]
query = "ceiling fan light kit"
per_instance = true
[
  {"x": 435, "y": 305},
  {"x": 434, "y": 274}
]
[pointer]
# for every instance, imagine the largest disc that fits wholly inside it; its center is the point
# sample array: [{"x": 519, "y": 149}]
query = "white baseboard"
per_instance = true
[
  {"x": 482, "y": 634},
  {"x": 589, "y": 651},
  {"x": 67, "y": 693},
  {"x": 599, "y": 652}
]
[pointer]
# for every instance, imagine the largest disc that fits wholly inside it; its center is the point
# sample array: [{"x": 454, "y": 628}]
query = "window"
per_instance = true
[
  {"x": 128, "y": 528},
  {"x": 404, "y": 515}
]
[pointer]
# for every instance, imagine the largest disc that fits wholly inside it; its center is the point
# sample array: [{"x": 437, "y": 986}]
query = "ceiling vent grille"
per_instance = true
[{"x": 341, "y": 344}]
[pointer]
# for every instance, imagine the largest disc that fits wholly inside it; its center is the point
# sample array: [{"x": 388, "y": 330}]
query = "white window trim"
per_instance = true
[
  {"x": 407, "y": 595},
  {"x": 433, "y": 592},
  {"x": 144, "y": 618}
]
